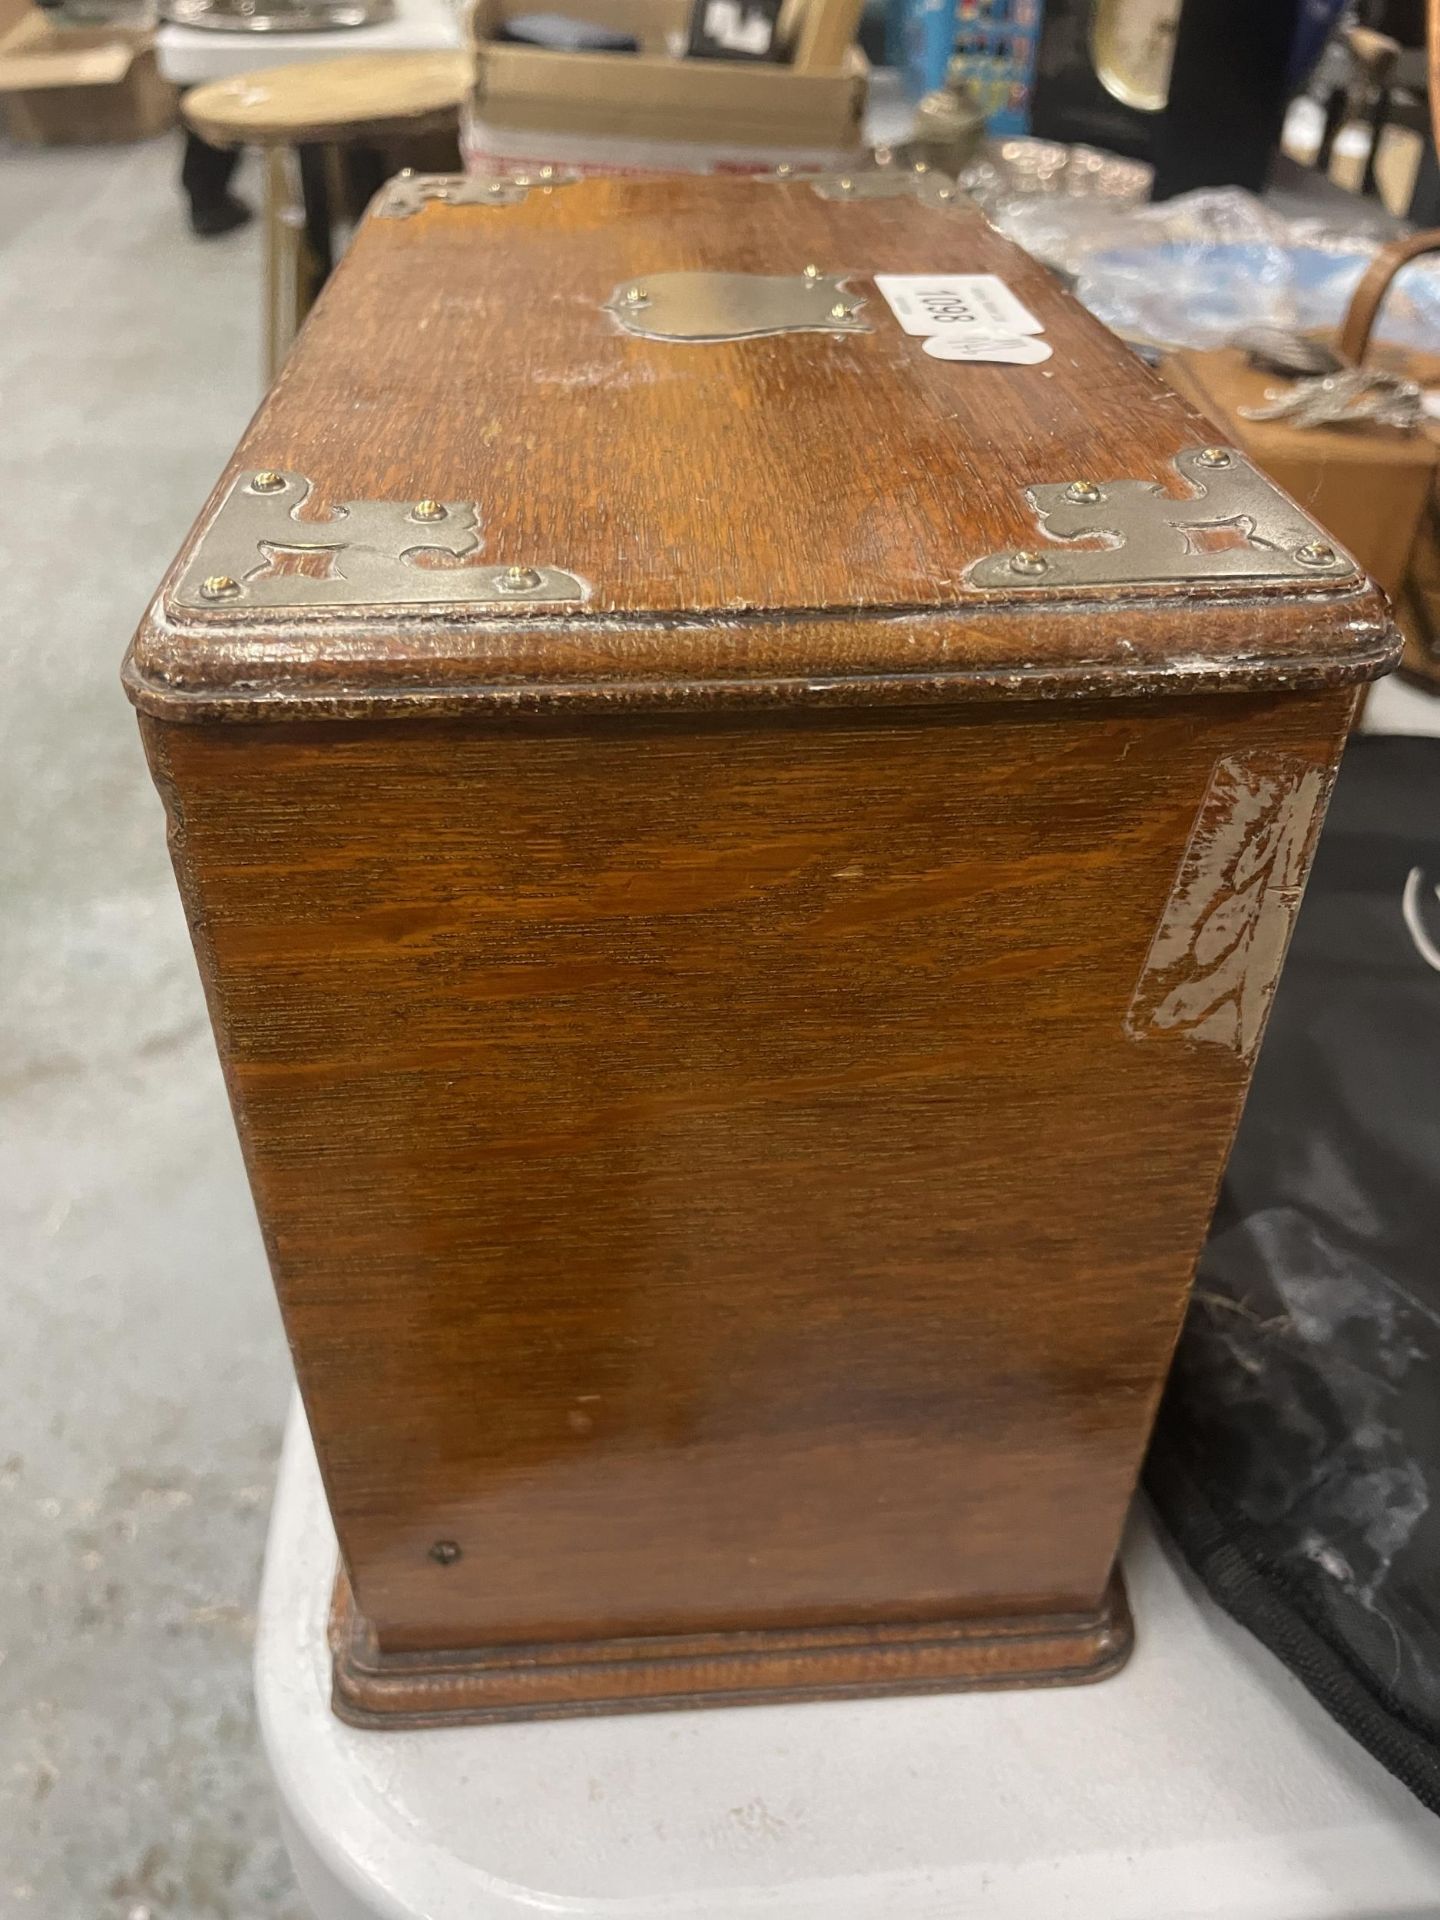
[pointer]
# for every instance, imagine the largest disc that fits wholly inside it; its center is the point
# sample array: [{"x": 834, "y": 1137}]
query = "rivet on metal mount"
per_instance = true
[
  {"x": 701, "y": 307},
  {"x": 519, "y": 580},
  {"x": 268, "y": 481},
  {"x": 1233, "y": 526},
  {"x": 367, "y": 553}
]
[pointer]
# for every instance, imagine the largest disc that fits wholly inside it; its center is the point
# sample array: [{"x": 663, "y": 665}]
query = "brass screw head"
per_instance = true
[
  {"x": 945, "y": 193},
  {"x": 840, "y": 311},
  {"x": 921, "y": 166},
  {"x": 1315, "y": 553},
  {"x": 547, "y": 173},
  {"x": 1028, "y": 562},
  {"x": 1083, "y": 493},
  {"x": 219, "y": 586},
  {"x": 812, "y": 272},
  {"x": 784, "y": 170},
  {"x": 845, "y": 183},
  {"x": 519, "y": 580},
  {"x": 1212, "y": 457},
  {"x": 445, "y": 1553},
  {"x": 635, "y": 296},
  {"x": 268, "y": 481},
  {"x": 427, "y": 510}
]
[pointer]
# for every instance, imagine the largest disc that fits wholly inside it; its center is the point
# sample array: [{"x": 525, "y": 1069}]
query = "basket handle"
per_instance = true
[{"x": 1369, "y": 296}]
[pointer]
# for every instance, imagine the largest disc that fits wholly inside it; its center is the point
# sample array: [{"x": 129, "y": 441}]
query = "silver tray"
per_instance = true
[{"x": 276, "y": 16}]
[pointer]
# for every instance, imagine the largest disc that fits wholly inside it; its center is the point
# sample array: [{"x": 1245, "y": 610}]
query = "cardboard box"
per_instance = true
[
  {"x": 658, "y": 98},
  {"x": 73, "y": 85}
]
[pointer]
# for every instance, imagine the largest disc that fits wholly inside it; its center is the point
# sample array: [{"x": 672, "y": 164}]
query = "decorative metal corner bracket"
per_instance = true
[
  {"x": 707, "y": 307},
  {"x": 255, "y": 553},
  {"x": 409, "y": 191},
  {"x": 1235, "y": 526},
  {"x": 919, "y": 182}
]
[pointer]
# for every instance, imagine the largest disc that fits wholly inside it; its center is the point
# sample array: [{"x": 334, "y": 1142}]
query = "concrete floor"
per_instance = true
[{"x": 143, "y": 1375}]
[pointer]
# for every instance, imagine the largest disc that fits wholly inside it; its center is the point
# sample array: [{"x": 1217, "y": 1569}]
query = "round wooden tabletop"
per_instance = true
[{"x": 342, "y": 99}]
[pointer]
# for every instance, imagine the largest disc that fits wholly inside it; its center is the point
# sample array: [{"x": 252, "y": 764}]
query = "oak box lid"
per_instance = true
[{"x": 492, "y": 474}]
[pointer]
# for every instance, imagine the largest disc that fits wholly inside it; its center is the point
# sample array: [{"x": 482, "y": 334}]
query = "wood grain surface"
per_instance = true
[
  {"x": 751, "y": 517},
  {"x": 734, "y": 1077},
  {"x": 354, "y": 95},
  {"x": 707, "y": 1172}
]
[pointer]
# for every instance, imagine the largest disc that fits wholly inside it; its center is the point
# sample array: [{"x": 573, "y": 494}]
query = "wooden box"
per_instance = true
[
  {"x": 739, "y": 881},
  {"x": 724, "y": 114}
]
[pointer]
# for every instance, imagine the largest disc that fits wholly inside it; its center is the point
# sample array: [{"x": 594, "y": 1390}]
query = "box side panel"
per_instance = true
[{"x": 742, "y": 1175}]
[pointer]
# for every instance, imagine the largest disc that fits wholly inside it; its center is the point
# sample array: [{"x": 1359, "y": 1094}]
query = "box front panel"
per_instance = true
[{"x": 739, "y": 1175}]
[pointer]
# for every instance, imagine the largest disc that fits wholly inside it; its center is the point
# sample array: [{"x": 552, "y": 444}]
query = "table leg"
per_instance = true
[
  {"x": 279, "y": 260},
  {"x": 315, "y": 171}
]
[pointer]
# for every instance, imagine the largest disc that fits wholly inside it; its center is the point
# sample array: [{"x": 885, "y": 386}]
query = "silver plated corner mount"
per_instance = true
[
  {"x": 701, "y": 307},
  {"x": 255, "y": 554},
  {"x": 409, "y": 191},
  {"x": 920, "y": 183},
  {"x": 1234, "y": 526}
]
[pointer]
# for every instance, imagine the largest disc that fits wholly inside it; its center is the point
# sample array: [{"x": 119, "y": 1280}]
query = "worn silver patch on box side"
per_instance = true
[
  {"x": 1235, "y": 525},
  {"x": 408, "y": 192},
  {"x": 1217, "y": 952},
  {"x": 255, "y": 553},
  {"x": 704, "y": 307}
]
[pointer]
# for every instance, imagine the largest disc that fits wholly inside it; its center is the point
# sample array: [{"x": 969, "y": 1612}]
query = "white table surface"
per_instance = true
[
  {"x": 189, "y": 55},
  {"x": 1201, "y": 1783}
]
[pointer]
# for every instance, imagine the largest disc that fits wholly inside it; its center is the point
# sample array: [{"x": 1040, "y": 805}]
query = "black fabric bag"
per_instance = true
[{"x": 1297, "y": 1456}]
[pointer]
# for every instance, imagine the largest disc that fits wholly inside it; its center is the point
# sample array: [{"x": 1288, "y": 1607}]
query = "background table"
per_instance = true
[{"x": 1201, "y": 1783}]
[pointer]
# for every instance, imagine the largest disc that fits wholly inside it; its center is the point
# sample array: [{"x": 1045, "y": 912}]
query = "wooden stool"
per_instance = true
[{"x": 319, "y": 124}]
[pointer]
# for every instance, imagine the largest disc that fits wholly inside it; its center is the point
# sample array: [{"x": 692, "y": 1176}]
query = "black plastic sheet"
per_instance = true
[{"x": 1297, "y": 1456}]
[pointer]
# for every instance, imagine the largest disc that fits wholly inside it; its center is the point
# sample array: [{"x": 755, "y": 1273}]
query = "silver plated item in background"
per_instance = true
[
  {"x": 276, "y": 16},
  {"x": 1286, "y": 350},
  {"x": 1357, "y": 396}
]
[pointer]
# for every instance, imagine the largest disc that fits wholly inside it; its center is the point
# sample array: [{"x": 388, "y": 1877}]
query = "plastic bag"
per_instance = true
[{"x": 1195, "y": 270}]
